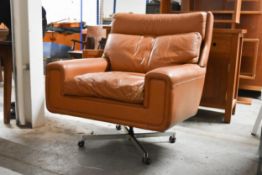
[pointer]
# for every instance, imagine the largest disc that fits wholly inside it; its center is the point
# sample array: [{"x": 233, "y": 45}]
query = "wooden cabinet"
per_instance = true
[
  {"x": 239, "y": 14},
  {"x": 222, "y": 78},
  {"x": 235, "y": 14},
  {"x": 223, "y": 70}
]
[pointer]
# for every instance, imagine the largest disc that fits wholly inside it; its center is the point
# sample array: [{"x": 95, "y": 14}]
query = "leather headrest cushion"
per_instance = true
[{"x": 159, "y": 24}]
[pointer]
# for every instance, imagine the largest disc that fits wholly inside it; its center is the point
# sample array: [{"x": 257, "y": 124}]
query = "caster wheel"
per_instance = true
[
  {"x": 146, "y": 160},
  {"x": 118, "y": 127},
  {"x": 81, "y": 144},
  {"x": 172, "y": 139}
]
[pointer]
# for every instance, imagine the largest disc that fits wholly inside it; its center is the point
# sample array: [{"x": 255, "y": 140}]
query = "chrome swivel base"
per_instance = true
[{"x": 132, "y": 137}]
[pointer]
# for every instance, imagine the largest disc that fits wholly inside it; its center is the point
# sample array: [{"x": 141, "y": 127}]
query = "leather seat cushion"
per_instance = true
[
  {"x": 120, "y": 86},
  {"x": 138, "y": 53}
]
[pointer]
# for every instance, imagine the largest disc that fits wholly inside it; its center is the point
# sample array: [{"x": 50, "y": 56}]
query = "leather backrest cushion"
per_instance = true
[
  {"x": 128, "y": 52},
  {"x": 175, "y": 49},
  {"x": 137, "y": 53},
  {"x": 159, "y": 24}
]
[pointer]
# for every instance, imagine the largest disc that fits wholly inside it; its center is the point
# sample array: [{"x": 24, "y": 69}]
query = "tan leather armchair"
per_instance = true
[{"x": 151, "y": 75}]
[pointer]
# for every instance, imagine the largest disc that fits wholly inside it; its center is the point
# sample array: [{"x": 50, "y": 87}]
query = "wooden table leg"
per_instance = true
[
  {"x": 7, "y": 61},
  {"x": 228, "y": 114}
]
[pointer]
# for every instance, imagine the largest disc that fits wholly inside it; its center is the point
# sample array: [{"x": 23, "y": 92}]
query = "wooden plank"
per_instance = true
[
  {"x": 236, "y": 16},
  {"x": 165, "y": 6},
  {"x": 249, "y": 58},
  {"x": 185, "y": 5},
  {"x": 226, "y": 21},
  {"x": 244, "y": 100}
]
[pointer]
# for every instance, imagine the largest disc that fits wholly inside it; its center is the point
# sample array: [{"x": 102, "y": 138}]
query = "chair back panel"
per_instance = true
[
  {"x": 157, "y": 25},
  {"x": 133, "y": 40}
]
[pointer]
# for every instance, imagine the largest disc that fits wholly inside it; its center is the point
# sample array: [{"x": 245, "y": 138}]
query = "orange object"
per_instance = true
[
  {"x": 172, "y": 93},
  {"x": 140, "y": 91}
]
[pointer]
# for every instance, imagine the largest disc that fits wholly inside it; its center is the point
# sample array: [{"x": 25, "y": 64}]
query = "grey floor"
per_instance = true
[{"x": 204, "y": 146}]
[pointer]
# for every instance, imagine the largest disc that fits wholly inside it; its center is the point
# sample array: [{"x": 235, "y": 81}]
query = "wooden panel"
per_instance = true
[
  {"x": 214, "y": 93},
  {"x": 253, "y": 24},
  {"x": 237, "y": 9},
  {"x": 249, "y": 58},
  {"x": 89, "y": 53},
  {"x": 186, "y": 5},
  {"x": 226, "y": 12},
  {"x": 221, "y": 83},
  {"x": 165, "y": 6},
  {"x": 208, "y": 5}
]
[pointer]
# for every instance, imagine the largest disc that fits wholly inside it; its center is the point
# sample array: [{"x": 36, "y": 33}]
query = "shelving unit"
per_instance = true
[
  {"x": 235, "y": 58},
  {"x": 238, "y": 14},
  {"x": 251, "y": 78}
]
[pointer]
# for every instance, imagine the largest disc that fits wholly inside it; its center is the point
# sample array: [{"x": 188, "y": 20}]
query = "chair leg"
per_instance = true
[
  {"x": 130, "y": 135},
  {"x": 139, "y": 146}
]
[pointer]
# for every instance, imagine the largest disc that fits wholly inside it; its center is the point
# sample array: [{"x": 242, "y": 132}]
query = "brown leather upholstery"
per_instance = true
[
  {"x": 157, "y": 25},
  {"x": 121, "y": 86},
  {"x": 171, "y": 92},
  {"x": 138, "y": 53}
]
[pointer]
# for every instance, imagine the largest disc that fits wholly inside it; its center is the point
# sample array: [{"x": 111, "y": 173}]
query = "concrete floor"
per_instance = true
[{"x": 204, "y": 146}]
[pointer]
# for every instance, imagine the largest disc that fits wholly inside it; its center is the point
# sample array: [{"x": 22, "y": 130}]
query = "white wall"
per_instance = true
[
  {"x": 70, "y": 9},
  {"x": 28, "y": 53},
  {"x": 135, "y": 6},
  {"x": 108, "y": 8}
]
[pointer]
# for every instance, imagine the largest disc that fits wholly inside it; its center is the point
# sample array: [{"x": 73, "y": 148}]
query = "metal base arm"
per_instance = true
[{"x": 130, "y": 135}]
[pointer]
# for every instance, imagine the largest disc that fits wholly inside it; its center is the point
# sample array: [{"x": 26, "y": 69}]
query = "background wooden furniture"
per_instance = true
[
  {"x": 86, "y": 53},
  {"x": 6, "y": 59},
  {"x": 62, "y": 38},
  {"x": 92, "y": 49},
  {"x": 251, "y": 19},
  {"x": 246, "y": 14},
  {"x": 222, "y": 79},
  {"x": 91, "y": 53},
  {"x": 241, "y": 14}
]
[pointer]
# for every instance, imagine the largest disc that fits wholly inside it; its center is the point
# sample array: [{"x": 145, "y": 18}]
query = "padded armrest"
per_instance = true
[
  {"x": 72, "y": 68},
  {"x": 177, "y": 74},
  {"x": 178, "y": 88}
]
